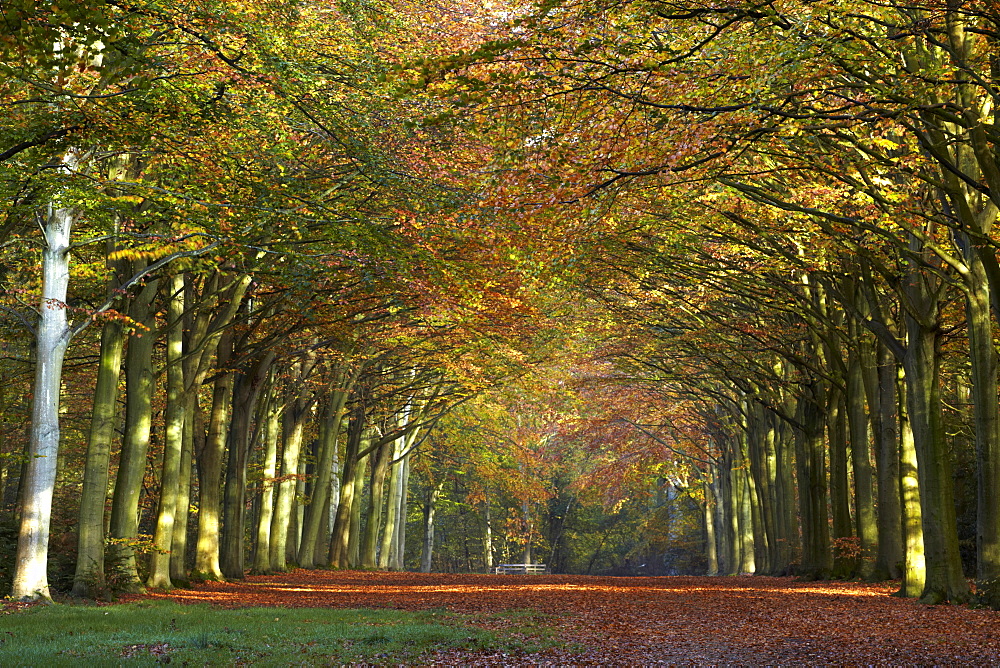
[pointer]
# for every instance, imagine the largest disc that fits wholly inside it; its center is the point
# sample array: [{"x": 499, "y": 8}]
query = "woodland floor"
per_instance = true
[{"x": 674, "y": 620}]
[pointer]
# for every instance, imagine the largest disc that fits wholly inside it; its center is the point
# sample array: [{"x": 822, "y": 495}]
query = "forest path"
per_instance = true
[{"x": 677, "y": 620}]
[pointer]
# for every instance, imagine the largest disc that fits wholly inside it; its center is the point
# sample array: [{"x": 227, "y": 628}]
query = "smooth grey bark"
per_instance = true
[
  {"x": 708, "y": 510},
  {"x": 986, "y": 409},
  {"x": 399, "y": 535},
  {"x": 52, "y": 338},
  {"x": 880, "y": 389},
  {"x": 430, "y": 507},
  {"x": 296, "y": 412},
  {"x": 840, "y": 505},
  {"x": 354, "y": 537},
  {"x": 208, "y": 333}
]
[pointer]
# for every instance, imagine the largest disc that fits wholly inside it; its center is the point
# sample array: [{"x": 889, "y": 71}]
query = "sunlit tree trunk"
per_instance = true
[
  {"x": 840, "y": 508},
  {"x": 986, "y": 411},
  {"x": 272, "y": 434},
  {"x": 317, "y": 511},
  {"x": 354, "y": 537},
  {"x": 914, "y": 566},
  {"x": 282, "y": 524},
  {"x": 945, "y": 581},
  {"x": 399, "y": 535},
  {"x": 89, "y": 578},
  {"x": 391, "y": 505},
  {"x": 430, "y": 506},
  {"x": 124, "y": 525},
  {"x": 708, "y": 510},
  {"x": 880, "y": 388},
  {"x": 340, "y": 537},
  {"x": 159, "y": 566},
  {"x": 379, "y": 469},
  {"x": 209, "y": 460},
  {"x": 52, "y": 337}
]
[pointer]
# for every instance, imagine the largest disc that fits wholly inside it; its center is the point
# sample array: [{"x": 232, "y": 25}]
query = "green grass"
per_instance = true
[{"x": 149, "y": 633}]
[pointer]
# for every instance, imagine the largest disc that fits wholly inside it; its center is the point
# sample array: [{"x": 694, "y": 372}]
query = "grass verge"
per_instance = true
[{"x": 148, "y": 633}]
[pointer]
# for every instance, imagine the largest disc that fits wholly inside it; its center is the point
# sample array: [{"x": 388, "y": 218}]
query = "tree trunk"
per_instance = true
[
  {"x": 810, "y": 468},
  {"x": 354, "y": 537},
  {"x": 272, "y": 434},
  {"x": 52, "y": 338},
  {"x": 206, "y": 566},
  {"x": 915, "y": 566},
  {"x": 245, "y": 393},
  {"x": 380, "y": 466},
  {"x": 340, "y": 538},
  {"x": 281, "y": 523},
  {"x": 124, "y": 526},
  {"x": 159, "y": 566},
  {"x": 864, "y": 497},
  {"x": 399, "y": 537},
  {"x": 986, "y": 412},
  {"x": 880, "y": 386},
  {"x": 427, "y": 553},
  {"x": 840, "y": 505},
  {"x": 309, "y": 549},
  {"x": 945, "y": 581},
  {"x": 89, "y": 578},
  {"x": 708, "y": 509}
]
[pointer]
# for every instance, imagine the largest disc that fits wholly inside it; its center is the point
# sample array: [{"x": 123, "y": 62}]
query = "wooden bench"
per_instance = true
[{"x": 520, "y": 569}]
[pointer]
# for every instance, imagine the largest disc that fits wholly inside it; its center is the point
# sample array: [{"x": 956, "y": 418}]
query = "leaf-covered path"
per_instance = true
[{"x": 700, "y": 620}]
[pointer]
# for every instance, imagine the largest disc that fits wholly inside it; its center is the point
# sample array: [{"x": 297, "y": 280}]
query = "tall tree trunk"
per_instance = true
[
  {"x": 379, "y": 468},
  {"x": 880, "y": 387},
  {"x": 398, "y": 559},
  {"x": 430, "y": 506},
  {"x": 206, "y": 566},
  {"x": 340, "y": 538},
  {"x": 159, "y": 566},
  {"x": 354, "y": 537},
  {"x": 810, "y": 468},
  {"x": 89, "y": 577},
  {"x": 52, "y": 337},
  {"x": 986, "y": 411},
  {"x": 864, "y": 496},
  {"x": 179, "y": 573},
  {"x": 281, "y": 523},
  {"x": 945, "y": 581},
  {"x": 840, "y": 505},
  {"x": 272, "y": 434},
  {"x": 124, "y": 525},
  {"x": 208, "y": 331},
  {"x": 915, "y": 566},
  {"x": 314, "y": 517},
  {"x": 708, "y": 509},
  {"x": 245, "y": 393}
]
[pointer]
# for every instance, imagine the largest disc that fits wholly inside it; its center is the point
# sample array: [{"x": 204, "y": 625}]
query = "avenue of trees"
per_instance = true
[{"x": 622, "y": 286}]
